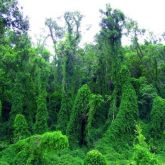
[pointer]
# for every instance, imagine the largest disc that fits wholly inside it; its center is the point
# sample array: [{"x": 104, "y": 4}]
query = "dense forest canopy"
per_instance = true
[{"x": 100, "y": 104}]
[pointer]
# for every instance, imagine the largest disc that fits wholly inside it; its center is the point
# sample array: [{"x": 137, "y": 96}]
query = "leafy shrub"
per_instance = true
[
  {"x": 94, "y": 157},
  {"x": 142, "y": 154},
  {"x": 64, "y": 158},
  {"x": 54, "y": 141},
  {"x": 31, "y": 150}
]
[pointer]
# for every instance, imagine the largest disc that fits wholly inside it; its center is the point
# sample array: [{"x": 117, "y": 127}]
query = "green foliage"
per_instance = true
[
  {"x": 64, "y": 113},
  {"x": 141, "y": 154},
  {"x": 0, "y": 111},
  {"x": 94, "y": 157},
  {"x": 43, "y": 88},
  {"x": 50, "y": 141},
  {"x": 112, "y": 23},
  {"x": 140, "y": 137},
  {"x": 41, "y": 124},
  {"x": 3, "y": 163},
  {"x": 96, "y": 118},
  {"x": 35, "y": 157},
  {"x": 17, "y": 103},
  {"x": 127, "y": 115},
  {"x": 113, "y": 107},
  {"x": 109, "y": 40},
  {"x": 147, "y": 93},
  {"x": 54, "y": 141},
  {"x": 31, "y": 150},
  {"x": 78, "y": 119},
  {"x": 87, "y": 72},
  {"x": 54, "y": 106},
  {"x": 124, "y": 123},
  {"x": 158, "y": 117},
  {"x": 66, "y": 157},
  {"x": 20, "y": 128}
]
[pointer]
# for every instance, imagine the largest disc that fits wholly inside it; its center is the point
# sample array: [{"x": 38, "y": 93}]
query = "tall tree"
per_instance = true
[
  {"x": 73, "y": 20},
  {"x": 109, "y": 47},
  {"x": 76, "y": 128},
  {"x": 12, "y": 17}
]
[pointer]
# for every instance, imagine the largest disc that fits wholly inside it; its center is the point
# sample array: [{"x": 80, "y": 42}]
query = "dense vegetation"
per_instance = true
[{"x": 100, "y": 104}]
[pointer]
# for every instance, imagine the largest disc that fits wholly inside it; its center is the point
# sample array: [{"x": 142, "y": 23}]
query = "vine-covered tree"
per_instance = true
[
  {"x": 97, "y": 117},
  {"x": 125, "y": 121},
  {"x": 20, "y": 128},
  {"x": 158, "y": 117},
  {"x": 64, "y": 113},
  {"x": 41, "y": 123},
  {"x": 76, "y": 129},
  {"x": 109, "y": 42}
]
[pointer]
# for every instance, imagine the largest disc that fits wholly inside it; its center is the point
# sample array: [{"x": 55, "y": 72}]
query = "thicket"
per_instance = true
[
  {"x": 31, "y": 150},
  {"x": 96, "y": 94},
  {"x": 142, "y": 154}
]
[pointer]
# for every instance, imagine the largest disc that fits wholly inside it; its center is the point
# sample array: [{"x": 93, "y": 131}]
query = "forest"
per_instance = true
[{"x": 98, "y": 104}]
